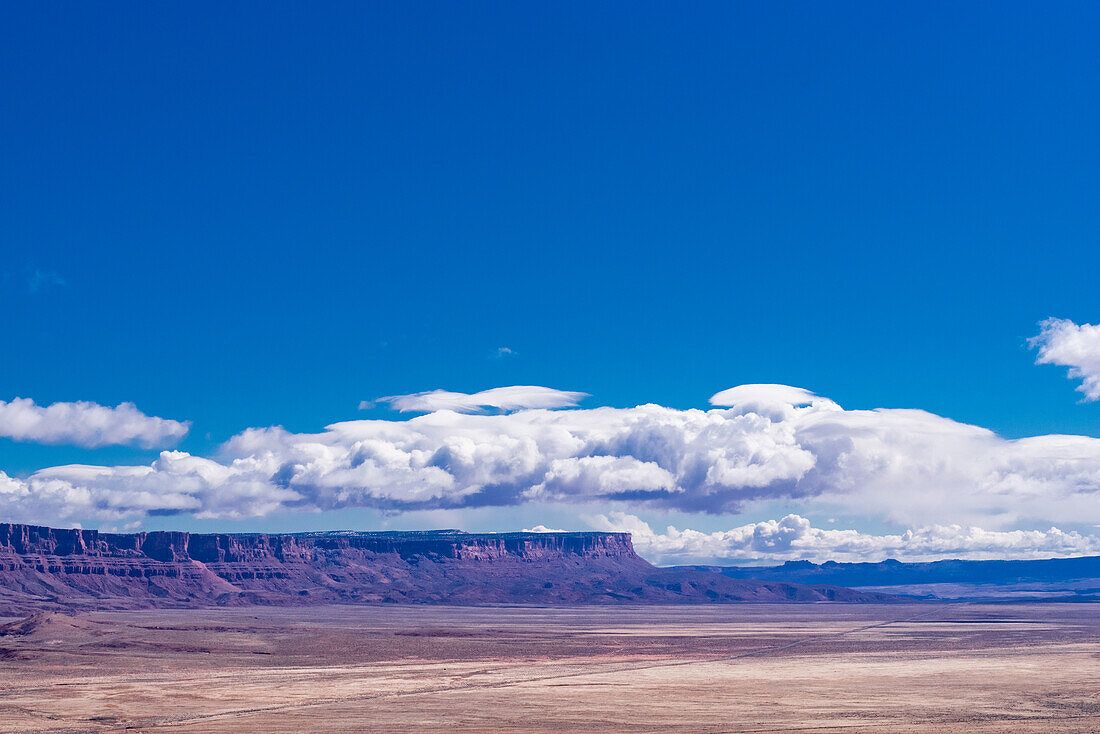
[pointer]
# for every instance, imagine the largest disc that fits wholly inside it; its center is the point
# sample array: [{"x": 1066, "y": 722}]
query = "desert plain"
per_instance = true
[{"x": 722, "y": 668}]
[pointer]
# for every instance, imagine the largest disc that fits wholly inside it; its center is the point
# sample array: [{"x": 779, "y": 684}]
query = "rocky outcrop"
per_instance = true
[{"x": 47, "y": 568}]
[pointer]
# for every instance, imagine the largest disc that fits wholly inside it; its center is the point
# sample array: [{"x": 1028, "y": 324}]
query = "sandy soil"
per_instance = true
[{"x": 822, "y": 668}]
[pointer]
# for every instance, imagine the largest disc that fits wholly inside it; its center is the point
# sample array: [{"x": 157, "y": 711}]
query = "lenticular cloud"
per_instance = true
[
  {"x": 516, "y": 397},
  {"x": 765, "y": 443}
]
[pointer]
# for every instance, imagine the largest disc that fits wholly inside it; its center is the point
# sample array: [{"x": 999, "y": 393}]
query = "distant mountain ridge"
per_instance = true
[
  {"x": 45, "y": 568},
  {"x": 1069, "y": 577}
]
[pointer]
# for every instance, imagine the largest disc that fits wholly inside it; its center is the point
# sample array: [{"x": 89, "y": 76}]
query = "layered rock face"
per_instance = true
[
  {"x": 47, "y": 568},
  {"x": 31, "y": 540}
]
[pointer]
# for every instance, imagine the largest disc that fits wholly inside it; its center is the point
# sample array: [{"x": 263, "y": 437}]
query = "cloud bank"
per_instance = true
[
  {"x": 86, "y": 424},
  {"x": 793, "y": 538},
  {"x": 766, "y": 444},
  {"x": 1064, "y": 343}
]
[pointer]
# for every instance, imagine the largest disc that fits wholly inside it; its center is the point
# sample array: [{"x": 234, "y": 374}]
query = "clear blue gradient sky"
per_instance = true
[{"x": 251, "y": 214}]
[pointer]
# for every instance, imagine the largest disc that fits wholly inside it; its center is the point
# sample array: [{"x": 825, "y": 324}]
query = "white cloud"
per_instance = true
[
  {"x": 516, "y": 397},
  {"x": 794, "y": 538},
  {"x": 542, "y": 529},
  {"x": 908, "y": 468},
  {"x": 86, "y": 424},
  {"x": 1064, "y": 343},
  {"x": 176, "y": 482},
  {"x": 601, "y": 476}
]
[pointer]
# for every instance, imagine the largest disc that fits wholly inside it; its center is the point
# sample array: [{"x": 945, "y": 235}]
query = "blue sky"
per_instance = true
[{"x": 262, "y": 214}]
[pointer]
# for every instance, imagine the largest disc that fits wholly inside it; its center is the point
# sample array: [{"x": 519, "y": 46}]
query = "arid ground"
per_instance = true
[{"x": 744, "y": 668}]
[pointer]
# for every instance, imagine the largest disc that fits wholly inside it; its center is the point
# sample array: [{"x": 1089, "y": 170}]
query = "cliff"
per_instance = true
[
  {"x": 48, "y": 569},
  {"x": 31, "y": 540}
]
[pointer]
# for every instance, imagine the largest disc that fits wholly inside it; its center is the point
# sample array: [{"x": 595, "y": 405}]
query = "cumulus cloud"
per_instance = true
[
  {"x": 766, "y": 444},
  {"x": 86, "y": 424},
  {"x": 516, "y": 397},
  {"x": 794, "y": 538},
  {"x": 1064, "y": 343}
]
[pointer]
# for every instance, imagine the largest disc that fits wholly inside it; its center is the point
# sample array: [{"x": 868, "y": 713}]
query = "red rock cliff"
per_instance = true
[
  {"x": 302, "y": 547},
  {"x": 46, "y": 568}
]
